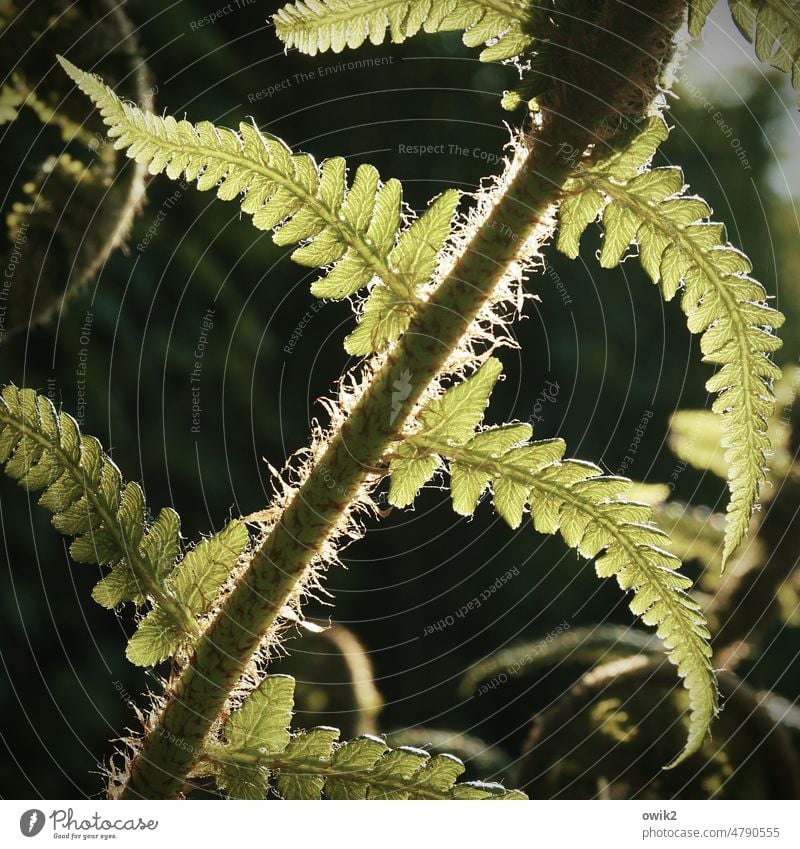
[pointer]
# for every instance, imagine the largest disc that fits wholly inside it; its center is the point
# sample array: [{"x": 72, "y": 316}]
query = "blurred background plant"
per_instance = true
[
  {"x": 70, "y": 198},
  {"x": 599, "y": 354}
]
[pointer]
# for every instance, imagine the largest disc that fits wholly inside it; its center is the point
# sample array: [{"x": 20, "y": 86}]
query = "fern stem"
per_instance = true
[
  {"x": 595, "y": 92},
  {"x": 313, "y": 515}
]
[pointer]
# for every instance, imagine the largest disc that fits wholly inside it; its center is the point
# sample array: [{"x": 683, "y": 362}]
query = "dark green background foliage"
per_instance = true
[{"x": 605, "y": 338}]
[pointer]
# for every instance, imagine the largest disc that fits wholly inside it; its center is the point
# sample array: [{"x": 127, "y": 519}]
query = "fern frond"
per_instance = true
[
  {"x": 315, "y": 26},
  {"x": 570, "y": 497},
  {"x": 355, "y": 231},
  {"x": 453, "y": 417},
  {"x": 483, "y": 758},
  {"x": 195, "y": 583},
  {"x": 682, "y": 250},
  {"x": 384, "y": 317},
  {"x": 386, "y": 314},
  {"x": 773, "y": 27},
  {"x": 43, "y": 449},
  {"x": 259, "y": 752}
]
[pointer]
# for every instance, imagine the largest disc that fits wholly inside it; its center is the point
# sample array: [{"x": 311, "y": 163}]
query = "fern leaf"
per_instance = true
[
  {"x": 194, "y": 583},
  {"x": 356, "y": 232},
  {"x": 696, "y": 437},
  {"x": 197, "y": 578},
  {"x": 264, "y": 718},
  {"x": 157, "y": 637},
  {"x": 409, "y": 474},
  {"x": 316, "y": 26},
  {"x": 682, "y": 250},
  {"x": 386, "y": 315},
  {"x": 699, "y": 10},
  {"x": 44, "y": 450},
  {"x": 452, "y": 418},
  {"x": 419, "y": 245},
  {"x": 160, "y": 546},
  {"x": 773, "y": 26},
  {"x": 591, "y": 514},
  {"x": 258, "y": 752},
  {"x": 455, "y": 415},
  {"x": 384, "y": 318}
]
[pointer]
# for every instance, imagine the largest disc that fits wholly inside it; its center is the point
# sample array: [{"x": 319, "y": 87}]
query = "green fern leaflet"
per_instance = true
[
  {"x": 315, "y": 26},
  {"x": 44, "y": 450},
  {"x": 772, "y": 26},
  {"x": 682, "y": 250},
  {"x": 357, "y": 232},
  {"x": 258, "y": 753},
  {"x": 573, "y": 498},
  {"x": 699, "y": 10}
]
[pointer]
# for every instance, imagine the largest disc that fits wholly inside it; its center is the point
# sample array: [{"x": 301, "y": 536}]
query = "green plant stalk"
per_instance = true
[
  {"x": 333, "y": 484},
  {"x": 579, "y": 108},
  {"x": 177, "y": 741}
]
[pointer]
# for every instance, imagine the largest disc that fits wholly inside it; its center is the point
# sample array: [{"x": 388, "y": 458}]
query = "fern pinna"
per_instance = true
[
  {"x": 355, "y": 231},
  {"x": 680, "y": 249},
  {"x": 257, "y": 750},
  {"x": 567, "y": 496},
  {"x": 437, "y": 292},
  {"x": 320, "y": 25},
  {"x": 44, "y": 450}
]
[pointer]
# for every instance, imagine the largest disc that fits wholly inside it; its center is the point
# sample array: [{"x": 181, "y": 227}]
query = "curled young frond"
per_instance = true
[
  {"x": 581, "y": 646},
  {"x": 355, "y": 230},
  {"x": 574, "y": 498},
  {"x": 257, "y": 753},
  {"x": 44, "y": 450},
  {"x": 315, "y": 26},
  {"x": 681, "y": 249}
]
